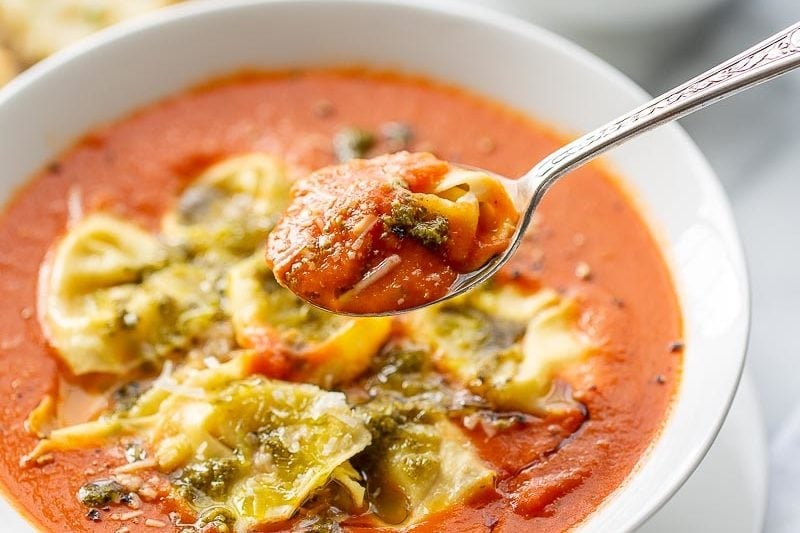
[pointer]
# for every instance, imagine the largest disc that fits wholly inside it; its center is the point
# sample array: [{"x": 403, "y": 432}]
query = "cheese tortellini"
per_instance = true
[
  {"x": 421, "y": 468},
  {"x": 115, "y": 296},
  {"x": 230, "y": 208},
  {"x": 111, "y": 302},
  {"x": 321, "y": 347},
  {"x": 481, "y": 216},
  {"x": 504, "y": 344}
]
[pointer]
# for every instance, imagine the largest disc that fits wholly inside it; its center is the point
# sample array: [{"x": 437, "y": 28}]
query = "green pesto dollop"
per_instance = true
[
  {"x": 211, "y": 477},
  {"x": 410, "y": 219}
]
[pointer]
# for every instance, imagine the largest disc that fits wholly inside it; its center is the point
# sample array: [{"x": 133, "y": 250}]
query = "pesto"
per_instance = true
[
  {"x": 410, "y": 219},
  {"x": 403, "y": 381},
  {"x": 100, "y": 493},
  {"x": 210, "y": 477},
  {"x": 352, "y": 143}
]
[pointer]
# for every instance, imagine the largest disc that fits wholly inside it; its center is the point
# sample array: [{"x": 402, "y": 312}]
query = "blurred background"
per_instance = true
[{"x": 752, "y": 141}]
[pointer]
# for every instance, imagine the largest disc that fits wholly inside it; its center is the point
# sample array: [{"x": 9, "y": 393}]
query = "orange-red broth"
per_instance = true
[{"x": 557, "y": 470}]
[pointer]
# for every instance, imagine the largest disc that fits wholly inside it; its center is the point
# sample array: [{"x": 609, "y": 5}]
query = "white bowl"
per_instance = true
[{"x": 114, "y": 72}]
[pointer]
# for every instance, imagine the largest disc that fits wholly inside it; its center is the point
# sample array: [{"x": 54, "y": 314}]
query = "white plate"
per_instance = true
[
  {"x": 114, "y": 72},
  {"x": 728, "y": 491}
]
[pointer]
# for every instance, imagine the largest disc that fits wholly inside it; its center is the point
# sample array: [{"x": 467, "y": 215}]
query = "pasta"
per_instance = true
[
  {"x": 503, "y": 344},
  {"x": 228, "y": 210},
  {"x": 269, "y": 444}
]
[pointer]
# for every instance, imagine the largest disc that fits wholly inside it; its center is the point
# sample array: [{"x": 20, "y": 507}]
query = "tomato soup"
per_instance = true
[{"x": 559, "y": 451}]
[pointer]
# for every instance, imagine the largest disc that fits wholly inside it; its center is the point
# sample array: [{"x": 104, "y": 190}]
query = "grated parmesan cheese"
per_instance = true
[
  {"x": 167, "y": 383},
  {"x": 74, "y": 205},
  {"x": 385, "y": 266},
  {"x": 135, "y": 466}
]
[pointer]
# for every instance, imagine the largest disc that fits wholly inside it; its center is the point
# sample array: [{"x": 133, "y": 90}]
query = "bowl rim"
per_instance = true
[{"x": 506, "y": 23}]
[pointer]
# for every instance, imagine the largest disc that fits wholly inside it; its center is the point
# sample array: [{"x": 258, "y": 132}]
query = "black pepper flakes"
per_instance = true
[
  {"x": 660, "y": 379},
  {"x": 94, "y": 515},
  {"x": 675, "y": 347}
]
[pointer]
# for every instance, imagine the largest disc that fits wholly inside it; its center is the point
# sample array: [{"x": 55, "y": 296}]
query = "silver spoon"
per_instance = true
[{"x": 771, "y": 58}]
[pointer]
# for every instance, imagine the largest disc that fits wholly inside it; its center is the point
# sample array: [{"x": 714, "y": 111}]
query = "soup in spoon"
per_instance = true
[{"x": 389, "y": 233}]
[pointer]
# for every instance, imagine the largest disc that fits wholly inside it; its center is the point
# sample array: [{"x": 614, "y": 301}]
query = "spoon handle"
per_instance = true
[{"x": 764, "y": 61}]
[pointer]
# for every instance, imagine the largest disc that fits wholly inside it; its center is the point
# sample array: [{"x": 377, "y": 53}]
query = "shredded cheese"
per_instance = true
[
  {"x": 383, "y": 268},
  {"x": 74, "y": 205},
  {"x": 363, "y": 227},
  {"x": 167, "y": 383},
  {"x": 138, "y": 465}
]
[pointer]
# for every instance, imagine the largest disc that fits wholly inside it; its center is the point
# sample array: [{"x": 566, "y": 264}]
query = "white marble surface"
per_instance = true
[{"x": 753, "y": 142}]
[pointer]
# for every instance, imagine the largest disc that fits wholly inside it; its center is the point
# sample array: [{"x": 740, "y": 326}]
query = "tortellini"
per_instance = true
[
  {"x": 230, "y": 208},
  {"x": 321, "y": 347},
  {"x": 111, "y": 302},
  {"x": 419, "y": 462},
  {"x": 115, "y": 297},
  {"x": 257, "y": 447},
  {"x": 480, "y": 214},
  {"x": 504, "y": 344},
  {"x": 416, "y": 469}
]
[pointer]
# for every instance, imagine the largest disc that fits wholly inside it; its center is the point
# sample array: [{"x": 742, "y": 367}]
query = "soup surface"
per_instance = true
[{"x": 519, "y": 407}]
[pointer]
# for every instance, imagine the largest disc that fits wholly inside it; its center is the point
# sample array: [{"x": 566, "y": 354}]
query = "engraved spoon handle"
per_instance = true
[{"x": 764, "y": 61}]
